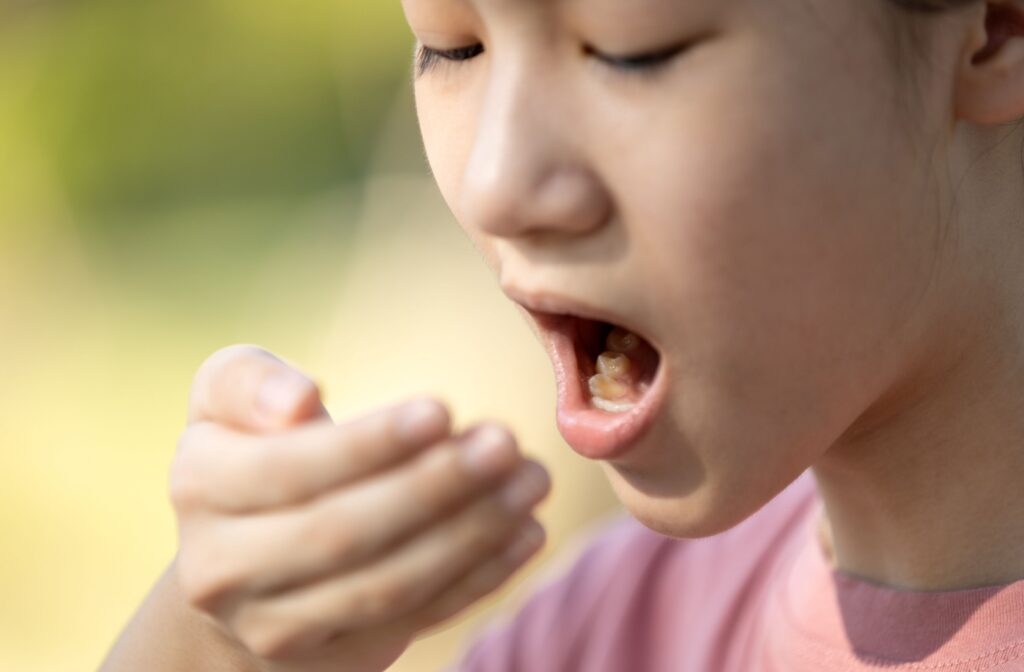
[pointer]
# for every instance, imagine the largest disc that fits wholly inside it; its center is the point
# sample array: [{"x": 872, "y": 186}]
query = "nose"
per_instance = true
[{"x": 525, "y": 174}]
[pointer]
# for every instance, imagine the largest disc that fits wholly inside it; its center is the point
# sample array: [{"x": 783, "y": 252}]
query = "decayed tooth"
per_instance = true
[
  {"x": 604, "y": 386},
  {"x": 612, "y": 406},
  {"x": 614, "y": 364},
  {"x": 620, "y": 340}
]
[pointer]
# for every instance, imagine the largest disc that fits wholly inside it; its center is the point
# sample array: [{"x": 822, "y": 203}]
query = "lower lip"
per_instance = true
[{"x": 593, "y": 433}]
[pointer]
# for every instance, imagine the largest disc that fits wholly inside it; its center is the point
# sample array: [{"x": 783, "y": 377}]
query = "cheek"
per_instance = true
[
  {"x": 447, "y": 122},
  {"x": 782, "y": 247},
  {"x": 448, "y": 128}
]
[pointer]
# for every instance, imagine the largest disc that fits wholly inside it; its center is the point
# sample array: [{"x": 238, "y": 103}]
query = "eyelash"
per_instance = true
[
  {"x": 639, "y": 64},
  {"x": 645, "y": 65},
  {"x": 428, "y": 57}
]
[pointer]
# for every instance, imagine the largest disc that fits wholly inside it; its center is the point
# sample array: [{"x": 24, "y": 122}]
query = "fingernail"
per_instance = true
[
  {"x": 418, "y": 419},
  {"x": 279, "y": 393},
  {"x": 487, "y": 450},
  {"x": 525, "y": 490},
  {"x": 527, "y": 541}
]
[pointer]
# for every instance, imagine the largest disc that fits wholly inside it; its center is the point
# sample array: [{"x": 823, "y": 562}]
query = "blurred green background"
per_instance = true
[{"x": 179, "y": 176}]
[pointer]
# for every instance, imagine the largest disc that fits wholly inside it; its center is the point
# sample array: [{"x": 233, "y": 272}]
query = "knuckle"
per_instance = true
[
  {"x": 266, "y": 642},
  {"x": 480, "y": 583},
  {"x": 198, "y": 594},
  {"x": 187, "y": 485},
  {"x": 431, "y": 413},
  {"x": 480, "y": 533},
  {"x": 539, "y": 478},
  {"x": 437, "y": 408},
  {"x": 275, "y": 470},
  {"x": 229, "y": 354},
  {"x": 477, "y": 585},
  {"x": 494, "y": 513},
  {"x": 333, "y": 542},
  {"x": 430, "y": 615},
  {"x": 186, "y": 490},
  {"x": 500, "y": 430},
  {"x": 500, "y": 450},
  {"x": 227, "y": 372},
  {"x": 359, "y": 441},
  {"x": 356, "y": 457},
  {"x": 498, "y": 437},
  {"x": 500, "y": 434},
  {"x": 436, "y": 482},
  {"x": 387, "y": 598},
  {"x": 487, "y": 579},
  {"x": 195, "y": 586},
  {"x": 341, "y": 545},
  {"x": 222, "y": 360},
  {"x": 203, "y": 587}
]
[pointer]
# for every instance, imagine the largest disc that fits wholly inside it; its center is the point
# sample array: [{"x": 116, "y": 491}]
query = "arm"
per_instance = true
[{"x": 168, "y": 635}]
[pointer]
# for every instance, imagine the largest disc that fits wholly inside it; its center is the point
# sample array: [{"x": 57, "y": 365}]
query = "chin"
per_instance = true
[
  {"x": 692, "y": 516},
  {"x": 700, "y": 505}
]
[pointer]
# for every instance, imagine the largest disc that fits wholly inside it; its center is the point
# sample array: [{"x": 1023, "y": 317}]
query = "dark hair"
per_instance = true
[
  {"x": 914, "y": 14},
  {"x": 932, "y": 5}
]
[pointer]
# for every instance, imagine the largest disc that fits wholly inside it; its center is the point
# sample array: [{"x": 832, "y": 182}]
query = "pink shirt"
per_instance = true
[{"x": 760, "y": 597}]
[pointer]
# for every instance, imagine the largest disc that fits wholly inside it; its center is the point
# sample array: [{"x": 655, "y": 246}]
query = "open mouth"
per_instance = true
[
  {"x": 615, "y": 367},
  {"x": 611, "y": 382}
]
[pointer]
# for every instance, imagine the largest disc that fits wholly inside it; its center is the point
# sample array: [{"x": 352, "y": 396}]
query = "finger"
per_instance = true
[
  {"x": 349, "y": 528},
  {"x": 479, "y": 582},
  {"x": 248, "y": 388},
  {"x": 234, "y": 472},
  {"x": 397, "y": 585},
  {"x": 465, "y": 591}
]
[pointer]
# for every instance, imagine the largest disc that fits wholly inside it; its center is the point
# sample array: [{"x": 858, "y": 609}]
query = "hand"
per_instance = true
[{"x": 330, "y": 547}]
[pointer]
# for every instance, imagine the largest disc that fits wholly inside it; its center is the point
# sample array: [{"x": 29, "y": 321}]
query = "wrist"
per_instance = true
[{"x": 167, "y": 634}]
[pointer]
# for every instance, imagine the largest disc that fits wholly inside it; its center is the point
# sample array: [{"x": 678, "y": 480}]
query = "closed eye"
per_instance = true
[
  {"x": 647, "y": 61},
  {"x": 428, "y": 57}
]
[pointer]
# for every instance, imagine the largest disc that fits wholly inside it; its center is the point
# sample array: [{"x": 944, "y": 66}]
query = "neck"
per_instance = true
[
  {"x": 927, "y": 495},
  {"x": 923, "y": 491}
]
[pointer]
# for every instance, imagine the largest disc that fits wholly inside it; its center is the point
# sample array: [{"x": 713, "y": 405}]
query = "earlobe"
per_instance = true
[{"x": 990, "y": 86}]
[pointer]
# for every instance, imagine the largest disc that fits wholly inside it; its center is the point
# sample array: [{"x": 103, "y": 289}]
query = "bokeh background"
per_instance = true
[{"x": 180, "y": 175}]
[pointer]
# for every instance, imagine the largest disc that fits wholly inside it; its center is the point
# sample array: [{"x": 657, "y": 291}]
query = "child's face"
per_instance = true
[{"x": 755, "y": 207}]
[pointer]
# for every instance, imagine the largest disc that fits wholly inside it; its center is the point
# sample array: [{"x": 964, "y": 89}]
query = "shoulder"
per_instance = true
[{"x": 627, "y": 585}]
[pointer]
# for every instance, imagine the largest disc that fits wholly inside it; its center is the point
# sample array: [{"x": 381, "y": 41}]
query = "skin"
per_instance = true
[{"x": 821, "y": 232}]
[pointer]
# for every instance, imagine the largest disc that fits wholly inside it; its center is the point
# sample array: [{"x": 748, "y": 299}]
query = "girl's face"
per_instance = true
[{"x": 756, "y": 205}]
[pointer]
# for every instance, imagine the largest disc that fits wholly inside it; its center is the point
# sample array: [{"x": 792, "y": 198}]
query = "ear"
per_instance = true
[{"x": 990, "y": 77}]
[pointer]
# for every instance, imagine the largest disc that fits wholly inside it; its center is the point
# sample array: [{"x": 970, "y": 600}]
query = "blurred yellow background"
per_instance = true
[{"x": 180, "y": 176}]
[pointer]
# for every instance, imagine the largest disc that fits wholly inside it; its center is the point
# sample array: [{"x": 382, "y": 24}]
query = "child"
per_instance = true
[{"x": 774, "y": 250}]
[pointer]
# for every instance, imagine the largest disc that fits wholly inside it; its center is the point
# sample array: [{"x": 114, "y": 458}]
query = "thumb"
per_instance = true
[{"x": 250, "y": 389}]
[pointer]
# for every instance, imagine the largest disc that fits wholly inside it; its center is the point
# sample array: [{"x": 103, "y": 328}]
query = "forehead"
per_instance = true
[
  {"x": 507, "y": 7},
  {"x": 581, "y": 4}
]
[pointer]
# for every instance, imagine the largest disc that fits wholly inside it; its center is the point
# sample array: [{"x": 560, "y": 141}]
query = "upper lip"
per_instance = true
[{"x": 543, "y": 306}]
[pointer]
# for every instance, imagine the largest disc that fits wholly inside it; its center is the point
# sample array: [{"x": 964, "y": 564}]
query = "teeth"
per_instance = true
[
  {"x": 612, "y": 406},
  {"x": 604, "y": 386},
  {"x": 620, "y": 340},
  {"x": 614, "y": 364},
  {"x": 611, "y": 386}
]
